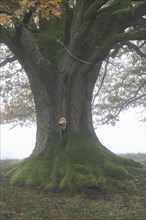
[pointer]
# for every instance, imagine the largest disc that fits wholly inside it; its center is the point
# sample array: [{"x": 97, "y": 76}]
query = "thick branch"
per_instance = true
[
  {"x": 24, "y": 23},
  {"x": 119, "y": 17},
  {"x": 141, "y": 23},
  {"x": 136, "y": 48},
  {"x": 68, "y": 20},
  {"x": 94, "y": 7},
  {"x": 116, "y": 50},
  {"x": 7, "y": 60},
  {"x": 102, "y": 81},
  {"x": 131, "y": 35},
  {"x": 27, "y": 18},
  {"x": 113, "y": 6}
]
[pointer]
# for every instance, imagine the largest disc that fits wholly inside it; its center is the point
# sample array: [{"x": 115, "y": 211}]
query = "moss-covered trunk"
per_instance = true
[
  {"x": 83, "y": 163},
  {"x": 70, "y": 159},
  {"x": 67, "y": 155}
]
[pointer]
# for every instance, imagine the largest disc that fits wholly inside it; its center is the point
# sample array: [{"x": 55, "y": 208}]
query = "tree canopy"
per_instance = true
[
  {"x": 111, "y": 96},
  {"x": 121, "y": 82}
]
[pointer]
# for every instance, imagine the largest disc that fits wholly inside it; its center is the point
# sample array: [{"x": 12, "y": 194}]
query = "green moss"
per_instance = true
[
  {"x": 77, "y": 177},
  {"x": 83, "y": 163},
  {"x": 30, "y": 172},
  {"x": 117, "y": 172},
  {"x": 131, "y": 163}
]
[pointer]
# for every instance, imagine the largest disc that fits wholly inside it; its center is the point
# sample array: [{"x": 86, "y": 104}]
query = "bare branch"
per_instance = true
[
  {"x": 116, "y": 50},
  {"x": 15, "y": 125},
  {"x": 130, "y": 100}
]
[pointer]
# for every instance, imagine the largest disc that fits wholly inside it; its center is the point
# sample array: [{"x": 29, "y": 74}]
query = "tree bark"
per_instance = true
[{"x": 73, "y": 158}]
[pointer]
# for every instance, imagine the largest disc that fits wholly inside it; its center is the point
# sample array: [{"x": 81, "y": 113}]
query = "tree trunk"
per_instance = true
[
  {"x": 72, "y": 159},
  {"x": 67, "y": 156}
]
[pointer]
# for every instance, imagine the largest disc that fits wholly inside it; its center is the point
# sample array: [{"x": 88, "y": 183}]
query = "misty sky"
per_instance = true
[{"x": 128, "y": 136}]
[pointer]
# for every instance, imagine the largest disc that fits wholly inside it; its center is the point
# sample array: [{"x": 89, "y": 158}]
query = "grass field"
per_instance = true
[{"x": 19, "y": 203}]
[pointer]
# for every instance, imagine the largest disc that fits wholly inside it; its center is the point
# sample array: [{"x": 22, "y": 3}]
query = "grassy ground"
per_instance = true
[{"x": 19, "y": 203}]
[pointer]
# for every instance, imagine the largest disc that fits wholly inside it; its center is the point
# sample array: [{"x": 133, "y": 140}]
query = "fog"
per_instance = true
[{"x": 128, "y": 136}]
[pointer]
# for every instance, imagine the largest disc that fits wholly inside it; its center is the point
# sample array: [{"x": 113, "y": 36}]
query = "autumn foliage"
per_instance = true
[{"x": 16, "y": 9}]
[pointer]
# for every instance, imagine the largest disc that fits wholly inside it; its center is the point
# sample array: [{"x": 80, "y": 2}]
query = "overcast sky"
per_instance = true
[{"x": 128, "y": 136}]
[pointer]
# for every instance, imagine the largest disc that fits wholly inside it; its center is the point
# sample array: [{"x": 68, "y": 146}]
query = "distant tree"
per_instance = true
[{"x": 62, "y": 58}]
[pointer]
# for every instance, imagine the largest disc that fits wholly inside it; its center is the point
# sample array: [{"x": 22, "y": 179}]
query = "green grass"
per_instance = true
[{"x": 20, "y": 203}]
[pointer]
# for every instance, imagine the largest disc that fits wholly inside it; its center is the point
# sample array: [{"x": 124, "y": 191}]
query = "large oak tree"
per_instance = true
[{"x": 62, "y": 58}]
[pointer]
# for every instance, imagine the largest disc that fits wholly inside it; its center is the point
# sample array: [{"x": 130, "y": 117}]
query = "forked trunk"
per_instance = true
[
  {"x": 67, "y": 156},
  {"x": 73, "y": 103}
]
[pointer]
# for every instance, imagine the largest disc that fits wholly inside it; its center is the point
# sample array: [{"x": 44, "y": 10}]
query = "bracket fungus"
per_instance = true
[{"x": 63, "y": 123}]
